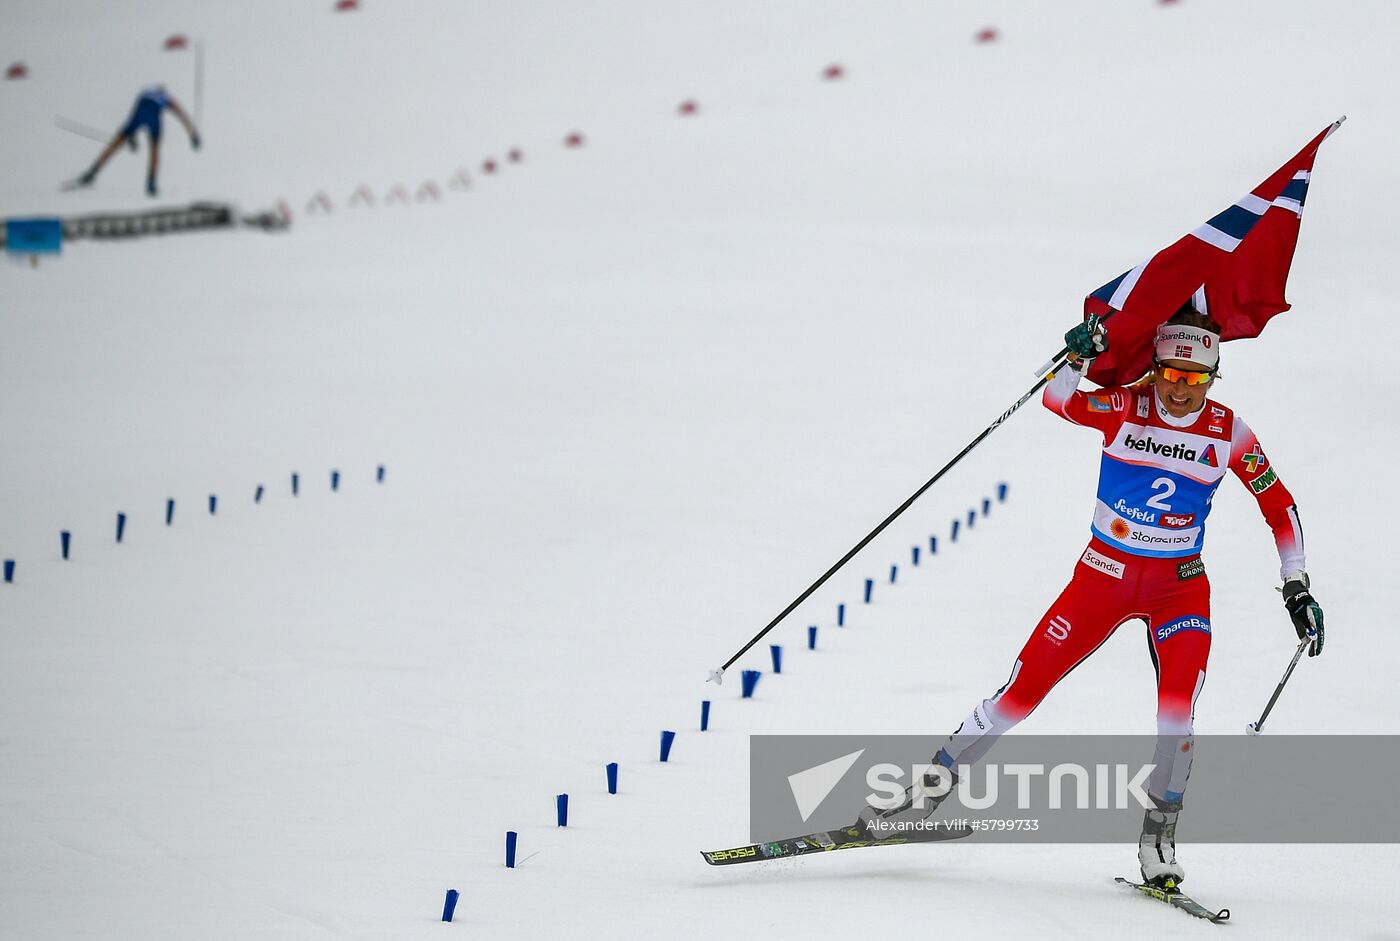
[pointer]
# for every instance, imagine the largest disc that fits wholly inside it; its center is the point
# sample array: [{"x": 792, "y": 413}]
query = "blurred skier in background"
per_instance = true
[
  {"x": 1166, "y": 449},
  {"x": 145, "y": 114}
]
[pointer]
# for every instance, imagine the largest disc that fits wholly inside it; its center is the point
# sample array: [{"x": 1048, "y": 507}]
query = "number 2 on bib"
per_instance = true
[{"x": 1159, "y": 500}]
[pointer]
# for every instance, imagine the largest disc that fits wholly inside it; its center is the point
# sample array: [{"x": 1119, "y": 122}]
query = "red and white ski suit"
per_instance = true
[{"x": 1157, "y": 477}]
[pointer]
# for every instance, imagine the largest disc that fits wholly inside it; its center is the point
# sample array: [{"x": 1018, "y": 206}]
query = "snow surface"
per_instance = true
[{"x": 632, "y": 398}]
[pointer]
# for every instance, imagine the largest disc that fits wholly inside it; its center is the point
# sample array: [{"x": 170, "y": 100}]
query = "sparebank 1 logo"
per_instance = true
[{"x": 811, "y": 787}]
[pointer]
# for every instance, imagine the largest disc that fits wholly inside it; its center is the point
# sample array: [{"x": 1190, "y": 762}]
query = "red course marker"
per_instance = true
[{"x": 363, "y": 194}]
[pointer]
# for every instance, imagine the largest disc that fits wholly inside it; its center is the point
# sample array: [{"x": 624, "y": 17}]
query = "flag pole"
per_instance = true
[
  {"x": 1058, "y": 362},
  {"x": 199, "y": 83}
]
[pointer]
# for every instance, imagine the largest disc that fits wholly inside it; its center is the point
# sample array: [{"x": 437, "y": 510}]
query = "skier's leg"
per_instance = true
[
  {"x": 1081, "y": 619},
  {"x": 153, "y": 165},
  {"x": 1179, "y": 642},
  {"x": 1084, "y": 615},
  {"x": 102, "y": 158}
]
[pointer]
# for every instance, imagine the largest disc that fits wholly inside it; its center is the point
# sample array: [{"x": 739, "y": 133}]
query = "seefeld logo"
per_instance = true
[
  {"x": 1137, "y": 513},
  {"x": 1178, "y": 451}
]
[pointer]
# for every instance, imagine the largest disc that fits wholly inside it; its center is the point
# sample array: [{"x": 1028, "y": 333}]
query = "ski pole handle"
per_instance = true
[
  {"x": 1064, "y": 350},
  {"x": 1050, "y": 363}
]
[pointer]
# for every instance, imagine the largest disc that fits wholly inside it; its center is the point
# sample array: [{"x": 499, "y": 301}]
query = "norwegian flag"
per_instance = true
[{"x": 1235, "y": 266}]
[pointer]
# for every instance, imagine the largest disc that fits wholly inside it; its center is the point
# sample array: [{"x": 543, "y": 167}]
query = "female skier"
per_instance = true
[{"x": 1166, "y": 449}]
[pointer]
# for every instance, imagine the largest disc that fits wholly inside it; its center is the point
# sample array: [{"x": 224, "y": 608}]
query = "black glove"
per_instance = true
[
  {"x": 1305, "y": 612},
  {"x": 194, "y": 141},
  {"x": 1088, "y": 339}
]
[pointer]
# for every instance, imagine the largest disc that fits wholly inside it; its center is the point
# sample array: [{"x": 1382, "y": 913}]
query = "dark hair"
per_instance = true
[{"x": 1188, "y": 316}]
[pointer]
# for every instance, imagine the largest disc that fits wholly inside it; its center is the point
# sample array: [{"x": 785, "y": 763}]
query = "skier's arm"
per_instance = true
[
  {"x": 1249, "y": 464},
  {"x": 1104, "y": 409},
  {"x": 179, "y": 112}
]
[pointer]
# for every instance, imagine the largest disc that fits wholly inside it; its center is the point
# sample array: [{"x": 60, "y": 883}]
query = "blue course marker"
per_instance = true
[
  {"x": 812, "y": 637},
  {"x": 869, "y": 587},
  {"x": 9, "y": 571},
  {"x": 379, "y": 474},
  {"x": 1001, "y": 493},
  {"x": 561, "y": 809},
  {"x": 121, "y": 526},
  {"x": 667, "y": 738},
  {"x": 34, "y": 237},
  {"x": 971, "y": 518},
  {"x": 840, "y": 615},
  {"x": 933, "y": 545},
  {"x": 258, "y": 494},
  {"x": 449, "y": 907},
  {"x": 954, "y": 536},
  {"x": 169, "y": 511},
  {"x": 986, "y": 506},
  {"x": 704, "y": 715},
  {"x": 777, "y": 651},
  {"x": 296, "y": 483},
  {"x": 894, "y": 573},
  {"x": 213, "y": 504},
  {"x": 65, "y": 539},
  {"x": 915, "y": 554},
  {"x": 612, "y": 777},
  {"x": 511, "y": 838},
  {"x": 749, "y": 681},
  {"x": 335, "y": 480}
]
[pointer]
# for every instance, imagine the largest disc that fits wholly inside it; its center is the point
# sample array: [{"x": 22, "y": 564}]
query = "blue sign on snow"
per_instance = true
[{"x": 33, "y": 236}]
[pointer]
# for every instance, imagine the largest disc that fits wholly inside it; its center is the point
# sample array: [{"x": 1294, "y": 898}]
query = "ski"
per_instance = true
[
  {"x": 853, "y": 836},
  {"x": 1178, "y": 900}
]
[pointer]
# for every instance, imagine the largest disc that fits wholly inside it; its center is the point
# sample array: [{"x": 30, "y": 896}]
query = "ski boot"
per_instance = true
[
  {"x": 1157, "y": 850},
  {"x": 920, "y": 801}
]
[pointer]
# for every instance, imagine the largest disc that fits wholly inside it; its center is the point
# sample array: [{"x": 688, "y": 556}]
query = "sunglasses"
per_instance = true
[{"x": 1193, "y": 377}]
